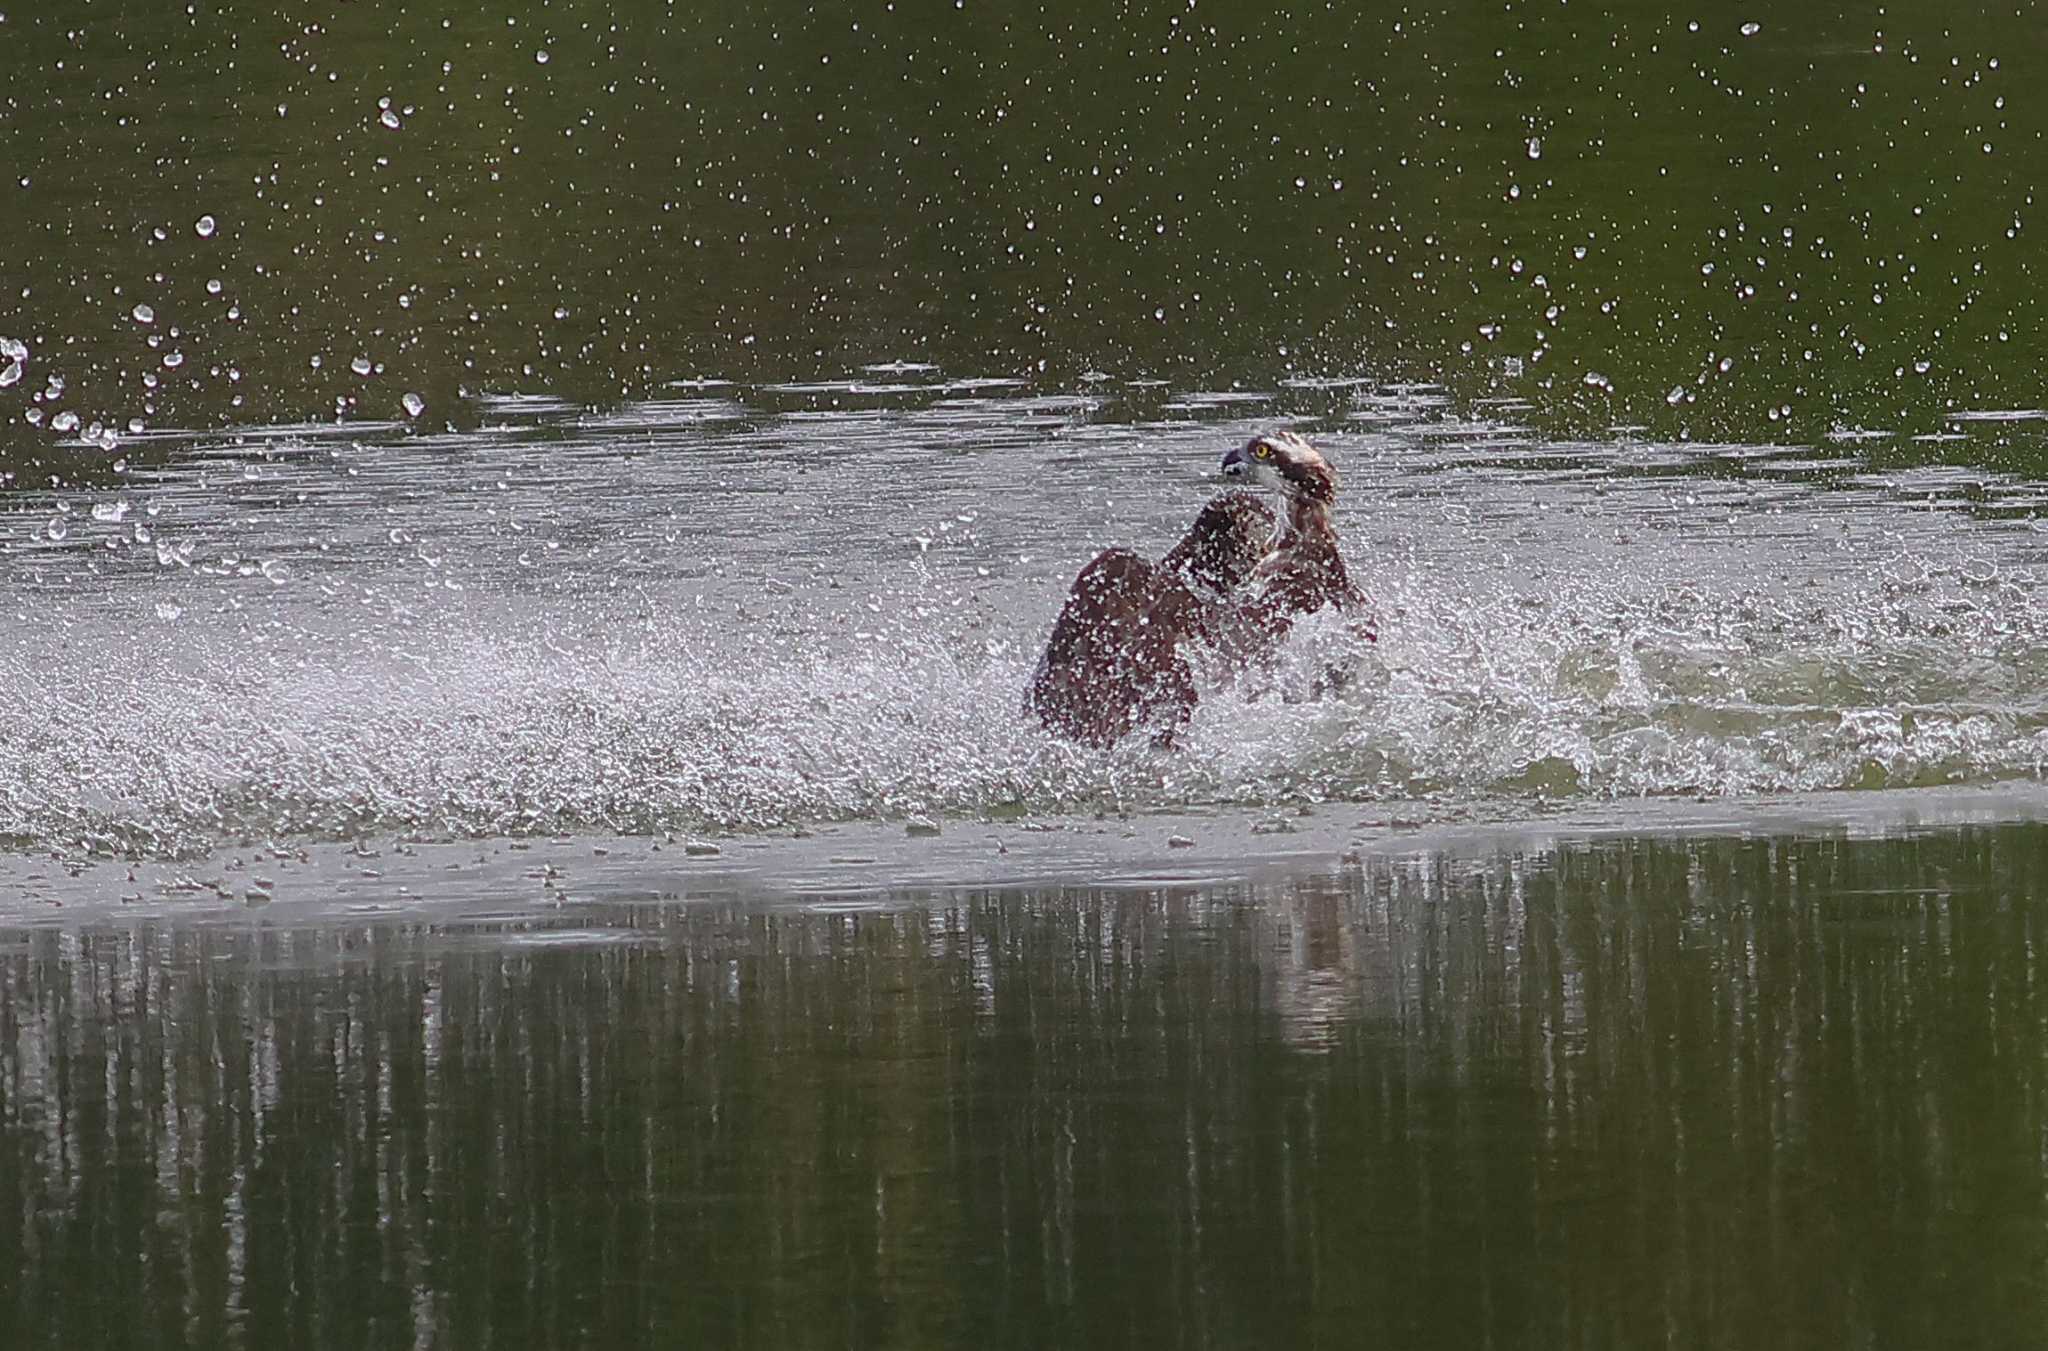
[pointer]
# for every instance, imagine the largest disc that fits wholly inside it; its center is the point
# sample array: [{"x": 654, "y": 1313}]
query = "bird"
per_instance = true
[
  {"x": 1303, "y": 570},
  {"x": 1116, "y": 659}
]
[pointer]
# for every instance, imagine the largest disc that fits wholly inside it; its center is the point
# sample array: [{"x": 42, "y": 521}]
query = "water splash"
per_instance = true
[{"x": 667, "y": 620}]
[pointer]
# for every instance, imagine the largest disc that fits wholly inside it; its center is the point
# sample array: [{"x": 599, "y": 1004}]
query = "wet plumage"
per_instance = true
[{"x": 1116, "y": 658}]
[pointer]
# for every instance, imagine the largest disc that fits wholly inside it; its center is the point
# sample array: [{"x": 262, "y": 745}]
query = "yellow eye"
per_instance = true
[{"x": 1263, "y": 451}]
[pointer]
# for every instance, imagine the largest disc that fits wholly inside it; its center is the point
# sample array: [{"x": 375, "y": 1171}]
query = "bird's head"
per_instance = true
[{"x": 1283, "y": 463}]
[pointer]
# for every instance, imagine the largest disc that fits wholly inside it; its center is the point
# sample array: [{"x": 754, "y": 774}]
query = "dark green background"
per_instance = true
[{"x": 772, "y": 192}]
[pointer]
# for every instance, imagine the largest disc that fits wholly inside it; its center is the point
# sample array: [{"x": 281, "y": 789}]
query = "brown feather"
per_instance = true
[{"x": 1113, "y": 661}]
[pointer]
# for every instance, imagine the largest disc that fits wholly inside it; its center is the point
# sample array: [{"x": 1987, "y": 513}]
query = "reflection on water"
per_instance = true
[{"x": 1726, "y": 1092}]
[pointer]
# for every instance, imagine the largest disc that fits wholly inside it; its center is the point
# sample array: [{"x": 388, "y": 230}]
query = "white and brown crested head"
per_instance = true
[{"x": 1284, "y": 463}]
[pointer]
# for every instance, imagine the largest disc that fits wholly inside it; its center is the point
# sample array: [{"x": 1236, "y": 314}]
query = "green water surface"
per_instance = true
[
  {"x": 1749, "y": 223},
  {"x": 1719, "y": 1092}
]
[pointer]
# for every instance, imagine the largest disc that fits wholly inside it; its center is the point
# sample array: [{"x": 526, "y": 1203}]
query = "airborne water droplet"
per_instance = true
[
  {"x": 361, "y": 365},
  {"x": 203, "y": 227},
  {"x": 389, "y": 119},
  {"x": 1535, "y": 147},
  {"x": 143, "y": 314},
  {"x": 1750, "y": 30},
  {"x": 414, "y": 404},
  {"x": 1676, "y": 396},
  {"x": 64, "y": 422}
]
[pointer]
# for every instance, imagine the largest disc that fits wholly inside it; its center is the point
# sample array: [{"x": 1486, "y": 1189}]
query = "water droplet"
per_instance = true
[
  {"x": 361, "y": 365},
  {"x": 561, "y": 312},
  {"x": 1535, "y": 147},
  {"x": 541, "y": 57},
  {"x": 1595, "y": 380},
  {"x": 64, "y": 422},
  {"x": 143, "y": 314},
  {"x": 203, "y": 227},
  {"x": 414, "y": 404},
  {"x": 10, "y": 373},
  {"x": 56, "y": 529},
  {"x": 1159, "y": 313},
  {"x": 109, "y": 511},
  {"x": 173, "y": 360},
  {"x": 213, "y": 287},
  {"x": 1676, "y": 396},
  {"x": 389, "y": 119},
  {"x": 1750, "y": 30}
]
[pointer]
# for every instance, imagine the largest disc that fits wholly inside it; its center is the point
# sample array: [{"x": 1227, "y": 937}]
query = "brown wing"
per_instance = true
[
  {"x": 1229, "y": 537},
  {"x": 1112, "y": 661},
  {"x": 1293, "y": 581}
]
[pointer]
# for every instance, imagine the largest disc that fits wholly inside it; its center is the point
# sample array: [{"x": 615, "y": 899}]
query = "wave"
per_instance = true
[{"x": 500, "y": 725}]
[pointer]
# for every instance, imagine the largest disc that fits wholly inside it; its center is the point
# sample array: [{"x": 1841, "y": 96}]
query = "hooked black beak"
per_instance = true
[{"x": 1236, "y": 464}]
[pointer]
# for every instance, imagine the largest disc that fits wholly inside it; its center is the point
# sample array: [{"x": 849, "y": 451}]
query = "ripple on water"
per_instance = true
[{"x": 699, "y": 615}]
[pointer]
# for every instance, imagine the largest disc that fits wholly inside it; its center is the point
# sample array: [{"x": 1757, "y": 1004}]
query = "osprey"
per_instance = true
[{"x": 1117, "y": 658}]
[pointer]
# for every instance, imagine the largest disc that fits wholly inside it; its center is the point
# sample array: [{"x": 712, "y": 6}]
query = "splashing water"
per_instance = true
[{"x": 708, "y": 613}]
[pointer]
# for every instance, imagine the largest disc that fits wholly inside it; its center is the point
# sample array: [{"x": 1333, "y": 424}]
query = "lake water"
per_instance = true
[{"x": 523, "y": 536}]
